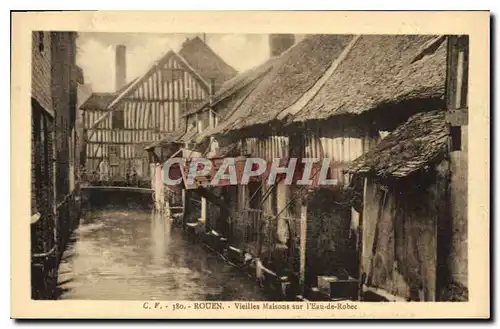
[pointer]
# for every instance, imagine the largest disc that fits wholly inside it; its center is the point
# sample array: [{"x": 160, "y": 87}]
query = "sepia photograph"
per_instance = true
[{"x": 269, "y": 170}]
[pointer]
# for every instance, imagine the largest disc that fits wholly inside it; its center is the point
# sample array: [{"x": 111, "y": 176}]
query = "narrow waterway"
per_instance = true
[{"x": 138, "y": 255}]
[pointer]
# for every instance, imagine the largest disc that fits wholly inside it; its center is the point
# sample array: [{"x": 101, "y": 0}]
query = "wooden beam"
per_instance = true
[
  {"x": 457, "y": 73},
  {"x": 384, "y": 294},
  {"x": 214, "y": 199},
  {"x": 458, "y": 117},
  {"x": 303, "y": 245}
]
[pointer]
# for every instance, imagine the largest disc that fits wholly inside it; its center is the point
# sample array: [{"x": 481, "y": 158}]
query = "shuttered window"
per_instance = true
[{"x": 118, "y": 120}]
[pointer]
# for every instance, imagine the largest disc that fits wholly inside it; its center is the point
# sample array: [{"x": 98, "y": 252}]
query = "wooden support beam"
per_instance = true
[
  {"x": 214, "y": 199},
  {"x": 303, "y": 245}
]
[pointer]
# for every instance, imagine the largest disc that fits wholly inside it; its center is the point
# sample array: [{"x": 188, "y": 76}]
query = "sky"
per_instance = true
[{"x": 96, "y": 53}]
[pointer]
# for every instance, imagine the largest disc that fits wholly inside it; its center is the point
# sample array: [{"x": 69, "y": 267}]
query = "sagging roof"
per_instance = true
[
  {"x": 294, "y": 73},
  {"x": 327, "y": 75},
  {"x": 380, "y": 70},
  {"x": 230, "y": 87},
  {"x": 412, "y": 146},
  {"x": 206, "y": 62}
]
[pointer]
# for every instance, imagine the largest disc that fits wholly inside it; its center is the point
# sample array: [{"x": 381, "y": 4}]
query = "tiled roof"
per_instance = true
[
  {"x": 380, "y": 70},
  {"x": 294, "y": 73},
  {"x": 206, "y": 62},
  {"x": 98, "y": 101},
  {"x": 410, "y": 147}
]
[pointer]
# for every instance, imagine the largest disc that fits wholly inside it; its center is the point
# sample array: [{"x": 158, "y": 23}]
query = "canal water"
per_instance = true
[{"x": 138, "y": 255}]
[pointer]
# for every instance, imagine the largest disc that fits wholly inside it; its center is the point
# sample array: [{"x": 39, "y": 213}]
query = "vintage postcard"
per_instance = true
[{"x": 250, "y": 165}]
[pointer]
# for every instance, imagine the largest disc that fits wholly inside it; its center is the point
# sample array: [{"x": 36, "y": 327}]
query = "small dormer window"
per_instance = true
[{"x": 41, "y": 44}]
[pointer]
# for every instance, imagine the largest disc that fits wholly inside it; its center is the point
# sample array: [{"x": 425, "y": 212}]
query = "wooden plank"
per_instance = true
[
  {"x": 192, "y": 88},
  {"x": 160, "y": 115},
  {"x": 184, "y": 85},
  {"x": 156, "y": 116},
  {"x": 167, "y": 116},
  {"x": 157, "y": 85},
  {"x": 140, "y": 115},
  {"x": 458, "y": 117},
  {"x": 165, "y": 85},
  {"x": 176, "y": 88},
  {"x": 152, "y": 119},
  {"x": 134, "y": 116},
  {"x": 303, "y": 245},
  {"x": 176, "y": 118},
  {"x": 147, "y": 88},
  {"x": 171, "y": 116},
  {"x": 151, "y": 87},
  {"x": 383, "y": 293},
  {"x": 166, "y": 108}
]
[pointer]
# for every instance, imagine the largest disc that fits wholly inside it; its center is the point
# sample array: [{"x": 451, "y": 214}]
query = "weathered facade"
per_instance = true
[
  {"x": 417, "y": 250},
  {"x": 400, "y": 237},
  {"x": 337, "y": 98},
  {"x": 329, "y": 99},
  {"x": 54, "y": 203},
  {"x": 43, "y": 220}
]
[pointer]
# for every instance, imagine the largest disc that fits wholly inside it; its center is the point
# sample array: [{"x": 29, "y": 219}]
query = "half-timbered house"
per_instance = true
[{"x": 149, "y": 108}]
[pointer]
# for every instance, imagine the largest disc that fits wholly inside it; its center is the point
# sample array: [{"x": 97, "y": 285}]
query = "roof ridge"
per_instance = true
[
  {"x": 185, "y": 62},
  {"x": 309, "y": 94},
  {"x": 211, "y": 50},
  {"x": 238, "y": 86}
]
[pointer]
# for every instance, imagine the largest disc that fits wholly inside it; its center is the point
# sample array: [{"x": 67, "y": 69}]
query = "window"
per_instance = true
[
  {"x": 41, "y": 44},
  {"x": 213, "y": 119},
  {"x": 185, "y": 105},
  {"x": 114, "y": 154},
  {"x": 200, "y": 126},
  {"x": 456, "y": 138},
  {"x": 118, "y": 121}
]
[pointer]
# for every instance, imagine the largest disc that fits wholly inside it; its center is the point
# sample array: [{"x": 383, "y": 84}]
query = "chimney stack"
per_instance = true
[
  {"x": 279, "y": 43},
  {"x": 120, "y": 67}
]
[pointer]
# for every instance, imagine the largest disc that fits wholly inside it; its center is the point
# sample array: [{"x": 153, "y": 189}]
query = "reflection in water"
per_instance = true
[{"x": 138, "y": 255}]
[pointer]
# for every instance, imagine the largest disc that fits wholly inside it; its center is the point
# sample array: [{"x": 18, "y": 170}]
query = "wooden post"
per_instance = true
[
  {"x": 184, "y": 208},
  {"x": 203, "y": 217},
  {"x": 456, "y": 97},
  {"x": 303, "y": 245},
  {"x": 362, "y": 217}
]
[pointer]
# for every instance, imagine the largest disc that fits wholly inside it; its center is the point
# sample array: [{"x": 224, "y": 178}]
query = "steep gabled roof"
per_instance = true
[
  {"x": 381, "y": 70},
  {"x": 229, "y": 88},
  {"x": 290, "y": 77},
  {"x": 130, "y": 88},
  {"x": 237, "y": 87},
  {"x": 156, "y": 65},
  {"x": 327, "y": 75},
  {"x": 412, "y": 146},
  {"x": 206, "y": 62}
]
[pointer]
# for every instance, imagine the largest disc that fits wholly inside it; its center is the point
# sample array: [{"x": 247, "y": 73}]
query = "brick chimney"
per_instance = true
[
  {"x": 120, "y": 67},
  {"x": 278, "y": 43}
]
